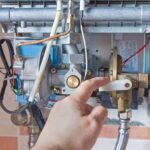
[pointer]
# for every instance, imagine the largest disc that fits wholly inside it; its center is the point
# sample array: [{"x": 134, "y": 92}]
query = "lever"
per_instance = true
[{"x": 117, "y": 85}]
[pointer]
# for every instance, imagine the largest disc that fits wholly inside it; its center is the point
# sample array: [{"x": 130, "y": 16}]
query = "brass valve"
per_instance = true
[{"x": 123, "y": 98}]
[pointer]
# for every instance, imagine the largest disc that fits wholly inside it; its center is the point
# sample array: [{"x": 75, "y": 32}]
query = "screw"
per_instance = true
[
  {"x": 63, "y": 66},
  {"x": 57, "y": 90},
  {"x": 127, "y": 85},
  {"x": 53, "y": 70}
]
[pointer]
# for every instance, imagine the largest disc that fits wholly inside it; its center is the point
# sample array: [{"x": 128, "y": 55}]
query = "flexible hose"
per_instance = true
[
  {"x": 123, "y": 135},
  {"x": 45, "y": 58}
]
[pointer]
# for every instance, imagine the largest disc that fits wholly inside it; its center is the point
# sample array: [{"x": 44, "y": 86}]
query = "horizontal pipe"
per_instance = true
[
  {"x": 37, "y": 1},
  {"x": 140, "y": 13},
  {"x": 29, "y": 14},
  {"x": 26, "y": 14}
]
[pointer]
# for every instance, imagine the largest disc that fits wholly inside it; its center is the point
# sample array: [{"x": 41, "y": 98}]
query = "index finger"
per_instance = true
[{"x": 85, "y": 90}]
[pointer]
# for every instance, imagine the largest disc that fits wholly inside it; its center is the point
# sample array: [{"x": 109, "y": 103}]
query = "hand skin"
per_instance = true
[{"x": 72, "y": 124}]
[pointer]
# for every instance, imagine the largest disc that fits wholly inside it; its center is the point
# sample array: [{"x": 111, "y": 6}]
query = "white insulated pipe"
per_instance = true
[{"x": 46, "y": 54}]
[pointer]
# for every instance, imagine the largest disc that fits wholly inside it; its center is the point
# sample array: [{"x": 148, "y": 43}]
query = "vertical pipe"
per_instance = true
[
  {"x": 72, "y": 49},
  {"x": 123, "y": 135}
]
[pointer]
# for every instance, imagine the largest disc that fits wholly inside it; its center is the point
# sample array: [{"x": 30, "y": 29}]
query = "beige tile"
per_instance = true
[{"x": 8, "y": 129}]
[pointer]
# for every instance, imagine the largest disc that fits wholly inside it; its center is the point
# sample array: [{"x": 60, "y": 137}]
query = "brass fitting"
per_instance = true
[{"x": 73, "y": 81}]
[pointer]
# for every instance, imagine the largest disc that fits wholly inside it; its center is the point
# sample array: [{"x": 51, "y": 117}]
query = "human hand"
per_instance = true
[{"x": 72, "y": 124}]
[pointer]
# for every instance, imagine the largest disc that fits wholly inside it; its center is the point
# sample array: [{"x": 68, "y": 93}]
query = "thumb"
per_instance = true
[{"x": 98, "y": 114}]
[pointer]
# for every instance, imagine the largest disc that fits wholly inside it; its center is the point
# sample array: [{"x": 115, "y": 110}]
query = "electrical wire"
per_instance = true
[
  {"x": 14, "y": 112},
  {"x": 41, "y": 41},
  {"x": 85, "y": 46},
  {"x": 137, "y": 52},
  {"x": 47, "y": 51},
  {"x": 45, "y": 57},
  {"x": 2, "y": 92},
  {"x": 2, "y": 72},
  {"x": 1, "y": 68},
  {"x": 9, "y": 74}
]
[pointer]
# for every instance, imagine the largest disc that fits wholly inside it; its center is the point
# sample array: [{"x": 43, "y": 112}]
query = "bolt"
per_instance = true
[
  {"x": 63, "y": 66},
  {"x": 53, "y": 70},
  {"x": 57, "y": 90},
  {"x": 89, "y": 72},
  {"x": 127, "y": 85}
]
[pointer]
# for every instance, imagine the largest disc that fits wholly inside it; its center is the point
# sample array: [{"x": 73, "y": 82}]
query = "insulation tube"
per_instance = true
[
  {"x": 46, "y": 55},
  {"x": 82, "y": 5}
]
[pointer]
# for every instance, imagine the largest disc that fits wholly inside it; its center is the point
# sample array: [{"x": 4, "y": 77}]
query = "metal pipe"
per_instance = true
[
  {"x": 72, "y": 49},
  {"x": 139, "y": 13},
  {"x": 27, "y": 14},
  {"x": 123, "y": 135},
  {"x": 34, "y": 132}
]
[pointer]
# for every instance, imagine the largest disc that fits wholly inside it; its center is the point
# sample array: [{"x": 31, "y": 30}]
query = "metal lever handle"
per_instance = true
[{"x": 117, "y": 85}]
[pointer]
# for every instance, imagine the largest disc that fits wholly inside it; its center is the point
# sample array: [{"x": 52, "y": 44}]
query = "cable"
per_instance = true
[
  {"x": 11, "y": 52},
  {"x": 5, "y": 63},
  {"x": 14, "y": 112},
  {"x": 45, "y": 57},
  {"x": 52, "y": 36},
  {"x": 3, "y": 89},
  {"x": 9, "y": 70},
  {"x": 37, "y": 114},
  {"x": 40, "y": 41},
  {"x": 82, "y": 7},
  {"x": 2, "y": 72},
  {"x": 137, "y": 52},
  {"x": 1, "y": 68},
  {"x": 47, "y": 52},
  {"x": 85, "y": 50},
  {"x": 8, "y": 74}
]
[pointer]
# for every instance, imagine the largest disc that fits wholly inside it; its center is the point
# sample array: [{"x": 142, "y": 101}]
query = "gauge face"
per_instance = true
[{"x": 73, "y": 82}]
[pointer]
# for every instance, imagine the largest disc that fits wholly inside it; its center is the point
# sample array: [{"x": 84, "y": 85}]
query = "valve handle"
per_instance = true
[{"x": 117, "y": 85}]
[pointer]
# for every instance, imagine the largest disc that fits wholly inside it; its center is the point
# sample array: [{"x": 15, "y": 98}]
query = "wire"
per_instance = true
[
  {"x": 85, "y": 46},
  {"x": 16, "y": 85},
  {"x": 37, "y": 114},
  {"x": 41, "y": 41},
  {"x": 137, "y": 52},
  {"x": 2, "y": 72},
  {"x": 14, "y": 112},
  {"x": 47, "y": 51},
  {"x": 2, "y": 92}
]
